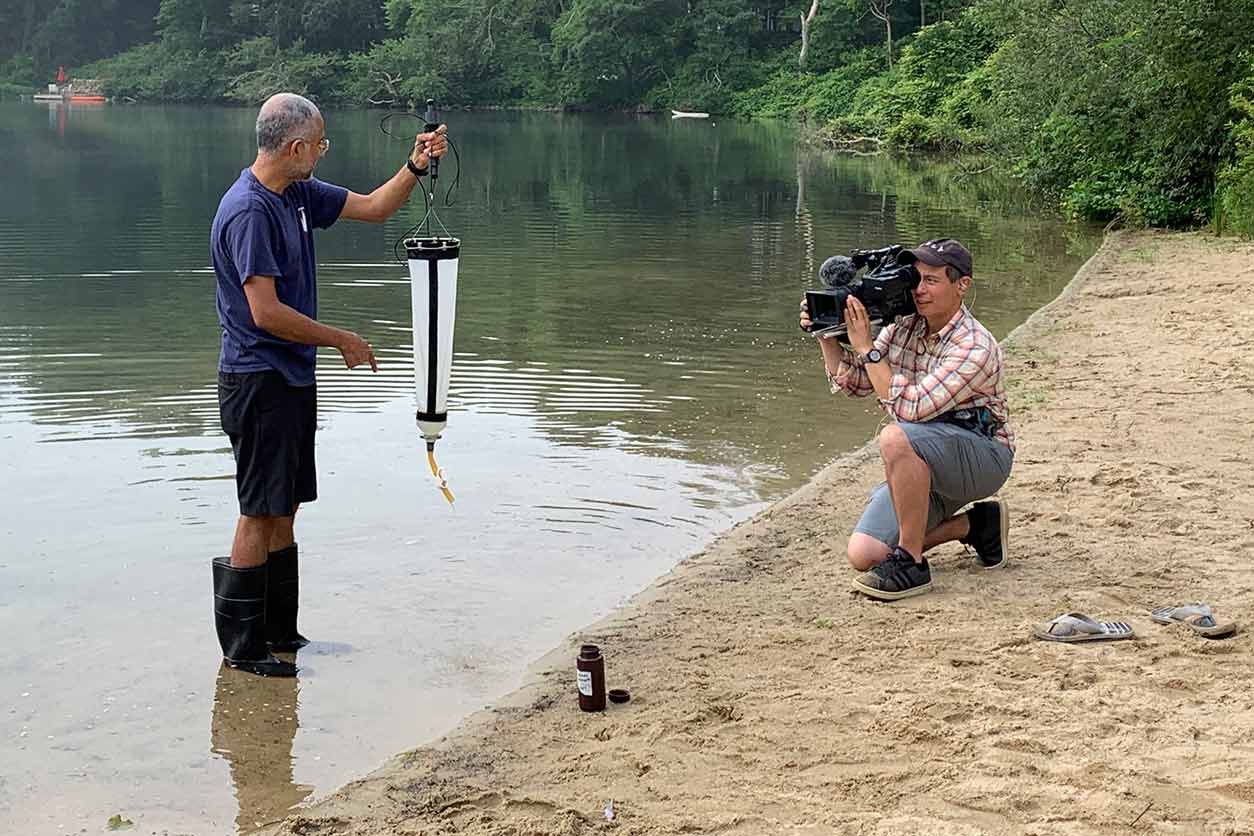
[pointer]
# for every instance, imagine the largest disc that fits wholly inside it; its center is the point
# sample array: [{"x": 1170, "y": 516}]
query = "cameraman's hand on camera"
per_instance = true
[
  {"x": 833, "y": 352},
  {"x": 859, "y": 325},
  {"x": 805, "y": 315}
]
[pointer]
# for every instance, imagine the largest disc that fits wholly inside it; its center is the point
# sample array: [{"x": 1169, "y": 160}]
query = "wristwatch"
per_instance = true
[
  {"x": 873, "y": 356},
  {"x": 413, "y": 169}
]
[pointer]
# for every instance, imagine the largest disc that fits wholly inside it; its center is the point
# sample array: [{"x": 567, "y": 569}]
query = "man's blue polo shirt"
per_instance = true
[{"x": 257, "y": 232}]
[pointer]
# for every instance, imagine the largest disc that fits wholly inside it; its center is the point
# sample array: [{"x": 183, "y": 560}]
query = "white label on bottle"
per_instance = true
[{"x": 585, "y": 682}]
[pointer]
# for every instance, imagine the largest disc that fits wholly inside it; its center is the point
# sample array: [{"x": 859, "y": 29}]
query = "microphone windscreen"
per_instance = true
[{"x": 837, "y": 271}]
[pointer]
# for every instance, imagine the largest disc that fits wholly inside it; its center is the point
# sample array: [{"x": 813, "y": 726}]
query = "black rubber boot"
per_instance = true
[
  {"x": 239, "y": 612},
  {"x": 282, "y": 601}
]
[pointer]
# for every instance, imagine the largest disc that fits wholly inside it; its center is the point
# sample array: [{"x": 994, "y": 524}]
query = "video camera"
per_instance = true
[{"x": 885, "y": 289}]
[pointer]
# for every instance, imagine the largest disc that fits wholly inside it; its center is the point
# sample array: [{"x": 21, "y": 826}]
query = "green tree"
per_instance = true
[
  {"x": 1235, "y": 200},
  {"x": 199, "y": 24},
  {"x": 485, "y": 50},
  {"x": 75, "y": 32},
  {"x": 258, "y": 68},
  {"x": 19, "y": 20},
  {"x": 714, "y": 43},
  {"x": 1119, "y": 106},
  {"x": 612, "y": 51},
  {"x": 395, "y": 72},
  {"x": 342, "y": 25}
]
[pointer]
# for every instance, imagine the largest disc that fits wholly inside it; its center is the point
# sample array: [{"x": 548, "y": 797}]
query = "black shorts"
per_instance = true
[{"x": 271, "y": 425}]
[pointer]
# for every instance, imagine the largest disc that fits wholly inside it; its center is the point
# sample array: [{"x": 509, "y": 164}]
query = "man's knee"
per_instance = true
[
  {"x": 252, "y": 523},
  {"x": 864, "y": 551},
  {"x": 895, "y": 444}
]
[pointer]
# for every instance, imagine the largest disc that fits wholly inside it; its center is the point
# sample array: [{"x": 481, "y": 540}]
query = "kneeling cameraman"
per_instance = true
[{"x": 939, "y": 374}]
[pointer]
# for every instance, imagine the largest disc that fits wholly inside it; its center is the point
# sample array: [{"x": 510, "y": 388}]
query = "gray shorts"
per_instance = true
[{"x": 965, "y": 467}]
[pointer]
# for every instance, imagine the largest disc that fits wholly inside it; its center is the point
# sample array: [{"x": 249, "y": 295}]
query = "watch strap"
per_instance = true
[{"x": 413, "y": 169}]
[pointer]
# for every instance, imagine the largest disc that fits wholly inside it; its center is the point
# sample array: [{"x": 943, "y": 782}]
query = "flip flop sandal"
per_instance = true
[
  {"x": 1197, "y": 617},
  {"x": 1078, "y": 627}
]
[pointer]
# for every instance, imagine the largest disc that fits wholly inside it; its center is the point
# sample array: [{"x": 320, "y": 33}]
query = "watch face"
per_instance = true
[{"x": 874, "y": 355}]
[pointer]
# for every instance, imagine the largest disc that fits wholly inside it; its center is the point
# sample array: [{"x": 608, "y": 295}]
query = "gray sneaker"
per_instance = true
[{"x": 990, "y": 532}]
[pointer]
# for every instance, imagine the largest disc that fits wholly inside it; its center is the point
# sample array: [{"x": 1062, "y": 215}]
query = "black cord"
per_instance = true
[
  {"x": 426, "y": 200},
  {"x": 457, "y": 174},
  {"x": 457, "y": 157},
  {"x": 409, "y": 232}
]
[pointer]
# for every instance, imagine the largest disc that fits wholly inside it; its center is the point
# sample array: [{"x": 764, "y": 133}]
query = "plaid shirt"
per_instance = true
[{"x": 957, "y": 367}]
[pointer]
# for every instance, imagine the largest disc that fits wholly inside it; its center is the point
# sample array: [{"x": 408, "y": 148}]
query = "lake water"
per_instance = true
[{"x": 629, "y": 381}]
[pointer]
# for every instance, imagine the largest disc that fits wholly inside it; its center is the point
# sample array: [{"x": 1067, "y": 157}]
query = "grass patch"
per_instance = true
[
  {"x": 1032, "y": 356},
  {"x": 1026, "y": 395},
  {"x": 1141, "y": 255}
]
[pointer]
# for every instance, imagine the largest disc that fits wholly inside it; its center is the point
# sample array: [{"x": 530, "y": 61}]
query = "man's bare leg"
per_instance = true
[
  {"x": 252, "y": 541},
  {"x": 283, "y": 534},
  {"x": 864, "y": 551},
  {"x": 910, "y": 483}
]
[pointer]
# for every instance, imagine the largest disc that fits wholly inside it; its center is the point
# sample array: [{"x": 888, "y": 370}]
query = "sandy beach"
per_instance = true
[{"x": 770, "y": 699}]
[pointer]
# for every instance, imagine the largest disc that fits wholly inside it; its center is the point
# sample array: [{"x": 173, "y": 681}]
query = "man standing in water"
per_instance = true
[
  {"x": 267, "y": 299},
  {"x": 938, "y": 372}
]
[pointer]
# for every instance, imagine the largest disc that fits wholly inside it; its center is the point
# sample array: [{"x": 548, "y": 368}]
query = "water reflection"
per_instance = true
[{"x": 255, "y": 719}]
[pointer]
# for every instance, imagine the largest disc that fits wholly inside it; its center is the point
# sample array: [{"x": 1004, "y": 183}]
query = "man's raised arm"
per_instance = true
[{"x": 383, "y": 202}]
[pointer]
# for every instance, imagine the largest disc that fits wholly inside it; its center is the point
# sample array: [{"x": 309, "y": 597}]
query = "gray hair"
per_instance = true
[{"x": 283, "y": 118}]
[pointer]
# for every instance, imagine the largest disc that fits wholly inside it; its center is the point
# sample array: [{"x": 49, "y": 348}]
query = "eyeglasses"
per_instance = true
[{"x": 323, "y": 145}]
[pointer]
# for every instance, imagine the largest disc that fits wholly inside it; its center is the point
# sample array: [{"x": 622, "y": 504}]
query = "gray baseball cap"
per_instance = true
[{"x": 941, "y": 252}]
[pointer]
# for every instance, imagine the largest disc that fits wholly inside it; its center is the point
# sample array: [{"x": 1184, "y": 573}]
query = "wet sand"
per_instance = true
[{"x": 768, "y": 698}]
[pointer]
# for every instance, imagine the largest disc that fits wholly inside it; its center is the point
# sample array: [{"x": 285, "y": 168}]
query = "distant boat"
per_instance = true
[
  {"x": 55, "y": 94},
  {"x": 79, "y": 91},
  {"x": 57, "y": 97},
  {"x": 688, "y": 114}
]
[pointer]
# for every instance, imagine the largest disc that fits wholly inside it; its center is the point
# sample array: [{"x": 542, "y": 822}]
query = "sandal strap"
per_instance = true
[
  {"x": 1197, "y": 613},
  {"x": 1076, "y": 622}
]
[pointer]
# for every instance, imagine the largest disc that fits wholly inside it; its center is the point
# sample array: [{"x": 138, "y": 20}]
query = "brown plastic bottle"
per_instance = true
[{"x": 590, "y": 677}]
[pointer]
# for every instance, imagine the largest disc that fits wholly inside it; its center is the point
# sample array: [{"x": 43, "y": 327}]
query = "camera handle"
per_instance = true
[{"x": 841, "y": 331}]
